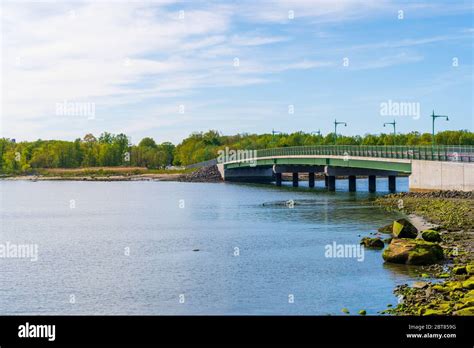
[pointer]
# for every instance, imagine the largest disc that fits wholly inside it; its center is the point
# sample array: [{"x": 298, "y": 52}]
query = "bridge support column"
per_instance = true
[
  {"x": 331, "y": 183},
  {"x": 278, "y": 179},
  {"x": 352, "y": 183},
  {"x": 372, "y": 186},
  {"x": 392, "y": 180},
  {"x": 295, "y": 179},
  {"x": 326, "y": 181},
  {"x": 311, "y": 179}
]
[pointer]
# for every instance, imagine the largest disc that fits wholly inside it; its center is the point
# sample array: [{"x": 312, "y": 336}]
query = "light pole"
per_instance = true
[
  {"x": 335, "y": 129},
  {"x": 394, "y": 130},
  {"x": 275, "y": 132},
  {"x": 434, "y": 118}
]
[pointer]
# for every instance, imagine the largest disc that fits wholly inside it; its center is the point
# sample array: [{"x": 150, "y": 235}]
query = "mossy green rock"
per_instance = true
[
  {"x": 431, "y": 236},
  {"x": 386, "y": 229},
  {"x": 465, "y": 311},
  {"x": 459, "y": 270},
  {"x": 468, "y": 284},
  {"x": 362, "y": 312},
  {"x": 470, "y": 269},
  {"x": 345, "y": 310},
  {"x": 403, "y": 228},
  {"x": 373, "y": 243},
  {"x": 433, "y": 312},
  {"x": 412, "y": 252},
  {"x": 440, "y": 288}
]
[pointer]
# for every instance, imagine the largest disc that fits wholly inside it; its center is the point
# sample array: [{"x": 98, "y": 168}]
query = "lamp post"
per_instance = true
[
  {"x": 335, "y": 129},
  {"x": 275, "y": 132},
  {"x": 434, "y": 117},
  {"x": 394, "y": 130}
]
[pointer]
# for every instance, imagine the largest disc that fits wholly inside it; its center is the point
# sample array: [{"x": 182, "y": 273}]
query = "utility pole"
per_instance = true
[
  {"x": 394, "y": 130},
  {"x": 335, "y": 129},
  {"x": 434, "y": 117}
]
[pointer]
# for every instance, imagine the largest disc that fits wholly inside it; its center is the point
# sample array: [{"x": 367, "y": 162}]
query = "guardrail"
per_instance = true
[{"x": 429, "y": 153}]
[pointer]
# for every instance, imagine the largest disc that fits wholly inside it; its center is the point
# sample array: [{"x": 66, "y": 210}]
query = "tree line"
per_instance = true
[{"x": 116, "y": 150}]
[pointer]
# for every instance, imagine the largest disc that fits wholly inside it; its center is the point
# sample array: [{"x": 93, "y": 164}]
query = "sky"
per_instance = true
[{"x": 166, "y": 69}]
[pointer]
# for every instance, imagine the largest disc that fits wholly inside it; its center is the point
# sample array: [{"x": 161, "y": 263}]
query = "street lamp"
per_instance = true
[
  {"x": 275, "y": 132},
  {"x": 434, "y": 118},
  {"x": 335, "y": 129},
  {"x": 394, "y": 130}
]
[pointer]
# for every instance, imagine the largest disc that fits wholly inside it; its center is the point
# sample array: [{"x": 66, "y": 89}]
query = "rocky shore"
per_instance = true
[
  {"x": 437, "y": 240},
  {"x": 204, "y": 174}
]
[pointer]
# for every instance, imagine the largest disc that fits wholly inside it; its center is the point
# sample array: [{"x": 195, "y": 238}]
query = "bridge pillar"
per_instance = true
[
  {"x": 311, "y": 179},
  {"x": 295, "y": 179},
  {"x": 331, "y": 183},
  {"x": 372, "y": 186},
  {"x": 278, "y": 179},
  {"x": 326, "y": 181},
  {"x": 392, "y": 180},
  {"x": 352, "y": 183}
]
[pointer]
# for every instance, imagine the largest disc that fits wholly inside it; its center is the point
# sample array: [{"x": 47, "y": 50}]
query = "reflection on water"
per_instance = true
[{"x": 252, "y": 256}]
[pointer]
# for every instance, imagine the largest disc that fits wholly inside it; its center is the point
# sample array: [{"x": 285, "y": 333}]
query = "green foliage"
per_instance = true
[{"x": 114, "y": 150}]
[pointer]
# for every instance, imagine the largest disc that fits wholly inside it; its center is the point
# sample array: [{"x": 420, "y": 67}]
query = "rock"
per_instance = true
[
  {"x": 419, "y": 285},
  {"x": 362, "y": 312},
  {"x": 412, "y": 252},
  {"x": 203, "y": 174},
  {"x": 440, "y": 288},
  {"x": 443, "y": 275},
  {"x": 195, "y": 249},
  {"x": 431, "y": 236},
  {"x": 468, "y": 284},
  {"x": 465, "y": 311},
  {"x": 387, "y": 240},
  {"x": 345, "y": 310},
  {"x": 386, "y": 229},
  {"x": 425, "y": 275},
  {"x": 433, "y": 312},
  {"x": 403, "y": 228},
  {"x": 459, "y": 270},
  {"x": 374, "y": 243},
  {"x": 470, "y": 269}
]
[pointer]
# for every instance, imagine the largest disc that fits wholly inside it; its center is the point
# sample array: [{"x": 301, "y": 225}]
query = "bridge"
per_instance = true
[{"x": 428, "y": 167}]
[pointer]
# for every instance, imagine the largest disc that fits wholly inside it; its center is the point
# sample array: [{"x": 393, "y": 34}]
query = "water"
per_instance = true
[{"x": 84, "y": 231}]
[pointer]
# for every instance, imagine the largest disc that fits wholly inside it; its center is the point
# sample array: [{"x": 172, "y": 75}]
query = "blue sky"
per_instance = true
[{"x": 165, "y": 69}]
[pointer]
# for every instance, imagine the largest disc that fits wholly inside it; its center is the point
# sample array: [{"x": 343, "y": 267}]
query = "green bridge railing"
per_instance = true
[{"x": 430, "y": 153}]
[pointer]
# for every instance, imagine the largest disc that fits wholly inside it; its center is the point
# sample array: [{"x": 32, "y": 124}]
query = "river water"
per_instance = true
[{"x": 191, "y": 248}]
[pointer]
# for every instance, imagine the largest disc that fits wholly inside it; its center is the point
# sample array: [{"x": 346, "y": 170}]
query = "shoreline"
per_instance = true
[
  {"x": 133, "y": 177},
  {"x": 445, "y": 287}
]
